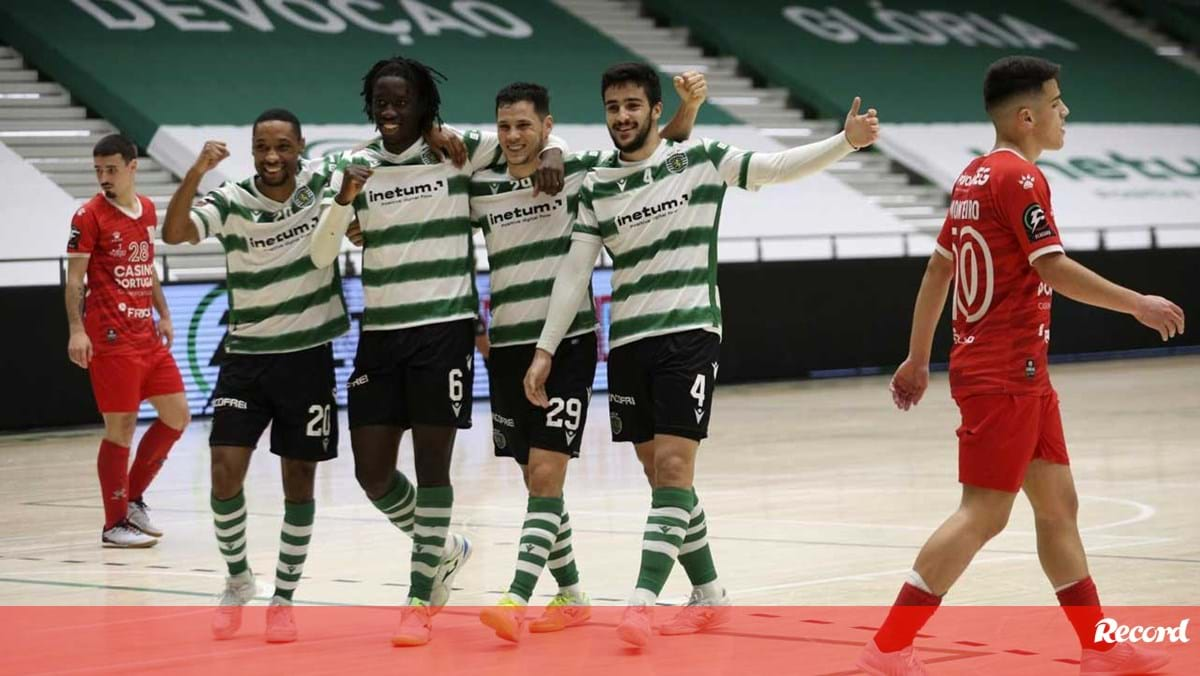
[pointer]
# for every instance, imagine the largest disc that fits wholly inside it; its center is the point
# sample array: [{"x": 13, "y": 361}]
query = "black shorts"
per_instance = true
[
  {"x": 418, "y": 376},
  {"x": 518, "y": 425},
  {"x": 663, "y": 385},
  {"x": 291, "y": 391}
]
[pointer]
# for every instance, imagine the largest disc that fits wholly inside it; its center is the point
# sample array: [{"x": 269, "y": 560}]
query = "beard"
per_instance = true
[{"x": 634, "y": 145}]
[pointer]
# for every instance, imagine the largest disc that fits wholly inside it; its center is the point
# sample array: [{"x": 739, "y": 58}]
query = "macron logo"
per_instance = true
[{"x": 1109, "y": 631}]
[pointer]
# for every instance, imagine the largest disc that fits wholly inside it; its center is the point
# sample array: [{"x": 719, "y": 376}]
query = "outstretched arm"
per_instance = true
[
  {"x": 912, "y": 378},
  {"x": 572, "y": 282},
  {"x": 1081, "y": 284},
  {"x": 692, "y": 89},
  {"x": 796, "y": 163}
]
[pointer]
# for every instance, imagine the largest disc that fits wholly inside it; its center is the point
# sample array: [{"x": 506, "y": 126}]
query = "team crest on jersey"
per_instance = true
[
  {"x": 677, "y": 163},
  {"x": 499, "y": 439},
  {"x": 1037, "y": 227},
  {"x": 303, "y": 199},
  {"x": 428, "y": 156},
  {"x": 615, "y": 421},
  {"x": 111, "y": 335}
]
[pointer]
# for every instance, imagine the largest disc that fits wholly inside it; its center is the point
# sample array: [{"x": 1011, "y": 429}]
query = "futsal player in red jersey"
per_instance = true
[
  {"x": 114, "y": 336},
  {"x": 1001, "y": 249}
]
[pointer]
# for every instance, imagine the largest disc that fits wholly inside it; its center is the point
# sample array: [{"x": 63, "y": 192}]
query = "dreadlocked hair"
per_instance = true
[{"x": 423, "y": 79}]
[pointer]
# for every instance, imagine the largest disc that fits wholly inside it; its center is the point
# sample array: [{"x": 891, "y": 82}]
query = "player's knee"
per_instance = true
[
  {"x": 374, "y": 483},
  {"x": 119, "y": 429},
  {"x": 298, "y": 479},
  {"x": 178, "y": 418},
  {"x": 672, "y": 469},
  {"x": 1063, "y": 511},
  {"x": 545, "y": 481},
  {"x": 225, "y": 481},
  {"x": 987, "y": 524}
]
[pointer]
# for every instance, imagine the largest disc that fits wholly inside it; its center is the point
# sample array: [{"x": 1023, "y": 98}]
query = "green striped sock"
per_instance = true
[
  {"x": 562, "y": 559},
  {"x": 665, "y": 528},
  {"x": 229, "y": 519},
  {"x": 398, "y": 503},
  {"x": 543, "y": 518},
  {"x": 694, "y": 554},
  {"x": 293, "y": 546},
  {"x": 431, "y": 525}
]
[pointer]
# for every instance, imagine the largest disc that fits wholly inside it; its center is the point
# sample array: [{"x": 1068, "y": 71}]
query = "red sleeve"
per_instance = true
[
  {"x": 84, "y": 232},
  {"x": 945, "y": 240},
  {"x": 1023, "y": 200},
  {"x": 149, "y": 212}
]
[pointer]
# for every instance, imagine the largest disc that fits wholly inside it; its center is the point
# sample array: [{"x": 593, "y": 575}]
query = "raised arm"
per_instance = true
[
  {"x": 574, "y": 277},
  {"x": 1081, "y": 284},
  {"x": 177, "y": 225},
  {"x": 796, "y": 163},
  {"x": 692, "y": 89},
  {"x": 912, "y": 378},
  {"x": 337, "y": 215}
]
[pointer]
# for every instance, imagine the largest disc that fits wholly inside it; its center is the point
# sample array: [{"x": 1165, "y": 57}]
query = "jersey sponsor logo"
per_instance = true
[
  {"x": 653, "y": 212},
  {"x": 73, "y": 242},
  {"x": 1109, "y": 630},
  {"x": 1030, "y": 369},
  {"x": 286, "y": 237},
  {"x": 135, "y": 312},
  {"x": 677, "y": 163},
  {"x": 304, "y": 198},
  {"x": 110, "y": 335},
  {"x": 137, "y": 276},
  {"x": 980, "y": 177},
  {"x": 1037, "y": 227},
  {"x": 959, "y": 339},
  {"x": 974, "y": 278},
  {"x": 229, "y": 402},
  {"x": 524, "y": 214},
  {"x": 501, "y": 420},
  {"x": 361, "y": 380},
  {"x": 621, "y": 399},
  {"x": 964, "y": 210},
  {"x": 1027, "y": 181},
  {"x": 406, "y": 193},
  {"x": 494, "y": 187}
]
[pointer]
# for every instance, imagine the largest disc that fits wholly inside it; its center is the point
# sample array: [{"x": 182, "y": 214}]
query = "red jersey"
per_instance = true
[
  {"x": 1000, "y": 221},
  {"x": 118, "y": 309}
]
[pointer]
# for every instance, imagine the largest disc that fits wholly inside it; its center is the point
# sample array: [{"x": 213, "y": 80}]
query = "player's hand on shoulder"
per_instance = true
[
  {"x": 550, "y": 174},
  {"x": 354, "y": 177},
  {"x": 79, "y": 349},
  {"x": 447, "y": 144},
  {"x": 691, "y": 87},
  {"x": 909, "y": 384},
  {"x": 210, "y": 156},
  {"x": 861, "y": 129},
  {"x": 1161, "y": 315},
  {"x": 166, "y": 331},
  {"x": 535, "y": 379}
]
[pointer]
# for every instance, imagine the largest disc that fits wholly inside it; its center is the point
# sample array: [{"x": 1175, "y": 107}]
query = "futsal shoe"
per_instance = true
[
  {"x": 416, "y": 624},
  {"x": 506, "y": 618},
  {"x": 239, "y": 590},
  {"x": 903, "y": 662},
  {"x": 139, "y": 517},
  {"x": 634, "y": 628},
  {"x": 564, "y": 610},
  {"x": 454, "y": 556},
  {"x": 126, "y": 536},
  {"x": 1123, "y": 658},
  {"x": 281, "y": 624},
  {"x": 700, "y": 614}
]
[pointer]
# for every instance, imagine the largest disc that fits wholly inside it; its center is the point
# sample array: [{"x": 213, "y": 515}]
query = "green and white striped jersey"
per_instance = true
[
  {"x": 278, "y": 300},
  {"x": 658, "y": 219},
  {"x": 418, "y": 261},
  {"x": 527, "y": 238}
]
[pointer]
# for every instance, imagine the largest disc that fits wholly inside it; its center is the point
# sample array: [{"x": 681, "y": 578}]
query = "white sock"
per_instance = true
[
  {"x": 573, "y": 590},
  {"x": 643, "y": 597},
  {"x": 915, "y": 579},
  {"x": 711, "y": 591}
]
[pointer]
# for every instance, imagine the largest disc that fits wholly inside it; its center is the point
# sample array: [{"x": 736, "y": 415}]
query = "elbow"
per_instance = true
[{"x": 1049, "y": 265}]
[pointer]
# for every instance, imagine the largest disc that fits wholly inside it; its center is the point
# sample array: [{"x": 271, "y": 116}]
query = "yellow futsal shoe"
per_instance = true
[
  {"x": 506, "y": 618},
  {"x": 564, "y": 610}
]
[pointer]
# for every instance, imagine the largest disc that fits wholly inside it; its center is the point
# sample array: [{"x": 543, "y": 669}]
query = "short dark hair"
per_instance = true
[
  {"x": 525, "y": 91},
  {"x": 278, "y": 115},
  {"x": 1015, "y": 76},
  {"x": 116, "y": 144},
  {"x": 423, "y": 79},
  {"x": 636, "y": 73}
]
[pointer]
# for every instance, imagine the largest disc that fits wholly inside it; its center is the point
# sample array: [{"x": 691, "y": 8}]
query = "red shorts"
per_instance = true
[
  {"x": 122, "y": 381},
  {"x": 1002, "y": 433}
]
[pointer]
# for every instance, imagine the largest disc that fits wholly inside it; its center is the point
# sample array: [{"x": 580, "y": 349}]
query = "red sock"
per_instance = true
[
  {"x": 112, "y": 464},
  {"x": 1081, "y": 603},
  {"x": 151, "y": 454},
  {"x": 912, "y": 610}
]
